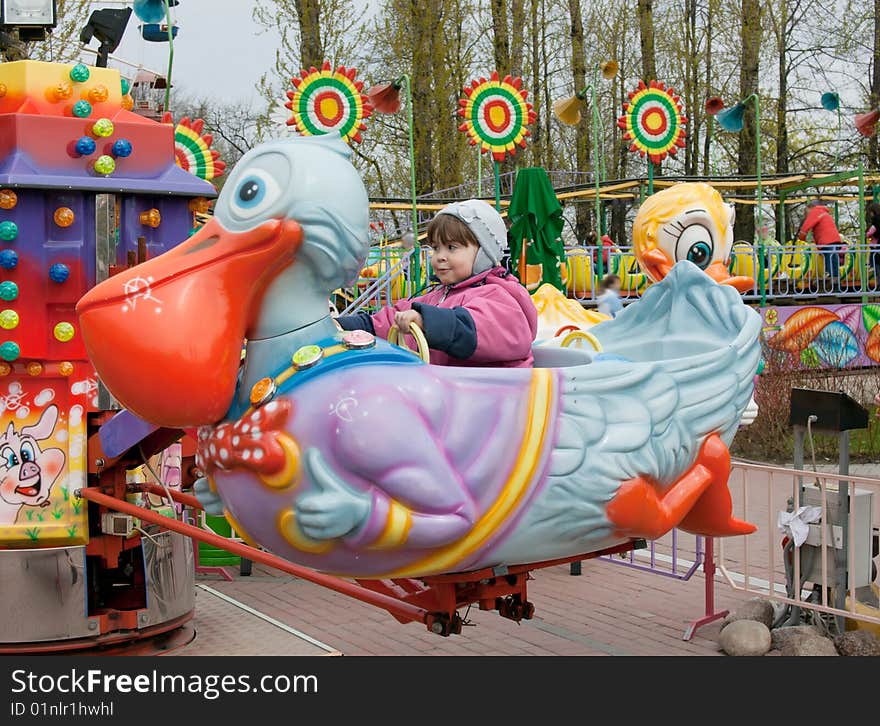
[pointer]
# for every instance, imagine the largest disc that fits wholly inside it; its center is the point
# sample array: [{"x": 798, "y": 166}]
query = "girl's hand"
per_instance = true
[{"x": 405, "y": 318}]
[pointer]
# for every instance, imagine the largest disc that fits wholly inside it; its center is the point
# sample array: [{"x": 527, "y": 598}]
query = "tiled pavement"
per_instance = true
[{"x": 608, "y": 610}]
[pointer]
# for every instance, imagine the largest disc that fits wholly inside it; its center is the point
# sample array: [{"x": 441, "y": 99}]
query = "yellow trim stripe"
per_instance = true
[
  {"x": 540, "y": 408},
  {"x": 289, "y": 529},
  {"x": 233, "y": 522},
  {"x": 289, "y": 476},
  {"x": 396, "y": 528}
]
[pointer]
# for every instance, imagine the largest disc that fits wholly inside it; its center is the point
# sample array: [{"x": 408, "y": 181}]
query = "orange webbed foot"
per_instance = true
[
  {"x": 638, "y": 511},
  {"x": 699, "y": 502},
  {"x": 712, "y": 515}
]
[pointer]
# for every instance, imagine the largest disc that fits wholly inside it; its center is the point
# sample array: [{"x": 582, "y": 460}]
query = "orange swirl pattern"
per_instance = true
[
  {"x": 801, "y": 329},
  {"x": 872, "y": 344}
]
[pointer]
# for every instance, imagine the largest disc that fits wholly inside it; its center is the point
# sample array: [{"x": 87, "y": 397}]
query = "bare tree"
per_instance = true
[
  {"x": 646, "y": 39},
  {"x": 873, "y": 155},
  {"x": 750, "y": 39},
  {"x": 501, "y": 37},
  {"x": 309, "y": 32},
  {"x": 233, "y": 125},
  {"x": 582, "y": 139},
  {"x": 62, "y": 44}
]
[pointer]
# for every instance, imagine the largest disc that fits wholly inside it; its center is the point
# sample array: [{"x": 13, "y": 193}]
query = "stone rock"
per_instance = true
[
  {"x": 757, "y": 609},
  {"x": 781, "y": 636},
  {"x": 745, "y": 637},
  {"x": 810, "y": 645},
  {"x": 857, "y": 642}
]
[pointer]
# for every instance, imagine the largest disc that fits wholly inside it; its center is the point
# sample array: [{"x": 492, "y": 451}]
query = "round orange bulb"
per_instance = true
[
  {"x": 8, "y": 199},
  {"x": 262, "y": 391},
  {"x": 34, "y": 368},
  {"x": 151, "y": 218},
  {"x": 99, "y": 94},
  {"x": 64, "y": 216},
  {"x": 61, "y": 91},
  {"x": 2, "y": 90},
  {"x": 127, "y": 103},
  {"x": 5, "y": 369},
  {"x": 65, "y": 368}
]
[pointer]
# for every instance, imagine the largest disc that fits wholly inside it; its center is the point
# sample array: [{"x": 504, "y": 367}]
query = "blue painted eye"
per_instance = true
[
  {"x": 695, "y": 245},
  {"x": 256, "y": 193},
  {"x": 9, "y": 457},
  {"x": 27, "y": 452},
  {"x": 251, "y": 192},
  {"x": 700, "y": 254}
]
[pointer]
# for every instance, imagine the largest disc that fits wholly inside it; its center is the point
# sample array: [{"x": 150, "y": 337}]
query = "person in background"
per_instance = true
[
  {"x": 606, "y": 244},
  {"x": 608, "y": 247},
  {"x": 825, "y": 236},
  {"x": 609, "y": 298},
  {"x": 872, "y": 223}
]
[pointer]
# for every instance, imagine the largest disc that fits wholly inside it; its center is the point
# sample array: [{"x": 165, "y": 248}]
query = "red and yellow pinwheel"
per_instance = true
[
  {"x": 653, "y": 121},
  {"x": 496, "y": 114},
  {"x": 192, "y": 149},
  {"x": 327, "y": 100}
]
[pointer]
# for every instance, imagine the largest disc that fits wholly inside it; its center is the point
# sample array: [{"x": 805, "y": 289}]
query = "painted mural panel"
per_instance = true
[
  {"x": 42, "y": 460},
  {"x": 825, "y": 336}
]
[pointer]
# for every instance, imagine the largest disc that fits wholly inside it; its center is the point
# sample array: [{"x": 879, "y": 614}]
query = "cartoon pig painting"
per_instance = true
[{"x": 27, "y": 472}]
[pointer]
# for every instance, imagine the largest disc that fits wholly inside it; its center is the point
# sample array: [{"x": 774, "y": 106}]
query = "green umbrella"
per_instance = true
[{"x": 536, "y": 216}]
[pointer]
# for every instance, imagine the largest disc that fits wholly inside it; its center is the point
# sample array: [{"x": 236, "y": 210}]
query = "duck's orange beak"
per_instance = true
[
  {"x": 656, "y": 263},
  {"x": 718, "y": 271},
  {"x": 165, "y": 337}
]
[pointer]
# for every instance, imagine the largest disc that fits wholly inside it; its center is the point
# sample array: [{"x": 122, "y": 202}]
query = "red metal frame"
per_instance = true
[
  {"x": 492, "y": 588},
  {"x": 709, "y": 573},
  {"x": 434, "y": 600}
]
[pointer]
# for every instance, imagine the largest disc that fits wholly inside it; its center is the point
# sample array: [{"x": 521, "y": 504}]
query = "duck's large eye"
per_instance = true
[
  {"x": 254, "y": 195},
  {"x": 695, "y": 245}
]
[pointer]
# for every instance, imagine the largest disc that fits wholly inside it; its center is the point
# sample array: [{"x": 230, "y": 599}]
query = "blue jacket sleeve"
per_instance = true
[
  {"x": 451, "y": 331},
  {"x": 358, "y": 321}
]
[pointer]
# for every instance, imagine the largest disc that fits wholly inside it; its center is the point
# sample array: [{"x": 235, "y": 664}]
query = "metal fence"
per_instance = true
[
  {"x": 830, "y": 571},
  {"x": 389, "y": 275},
  {"x": 677, "y": 555},
  {"x": 790, "y": 272},
  {"x": 794, "y": 271}
]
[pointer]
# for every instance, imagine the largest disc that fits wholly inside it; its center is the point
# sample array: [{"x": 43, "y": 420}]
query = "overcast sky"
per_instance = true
[{"x": 219, "y": 50}]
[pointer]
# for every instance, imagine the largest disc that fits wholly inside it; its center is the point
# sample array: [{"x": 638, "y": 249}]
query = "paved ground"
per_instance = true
[
  {"x": 609, "y": 610},
  {"x": 223, "y": 627}
]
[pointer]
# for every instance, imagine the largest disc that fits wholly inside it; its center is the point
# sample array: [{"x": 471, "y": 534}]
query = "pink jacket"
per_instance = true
[{"x": 504, "y": 318}]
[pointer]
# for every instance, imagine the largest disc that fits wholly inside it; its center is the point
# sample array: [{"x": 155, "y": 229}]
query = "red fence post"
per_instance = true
[{"x": 709, "y": 573}]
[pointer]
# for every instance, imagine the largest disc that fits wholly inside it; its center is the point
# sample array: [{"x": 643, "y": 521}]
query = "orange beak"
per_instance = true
[
  {"x": 718, "y": 271},
  {"x": 166, "y": 336},
  {"x": 657, "y": 264}
]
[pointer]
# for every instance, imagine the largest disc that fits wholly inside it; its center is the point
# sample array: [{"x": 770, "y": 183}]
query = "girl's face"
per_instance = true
[{"x": 453, "y": 261}]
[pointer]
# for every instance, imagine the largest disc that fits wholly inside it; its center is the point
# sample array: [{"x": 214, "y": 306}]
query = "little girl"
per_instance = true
[
  {"x": 609, "y": 300},
  {"x": 479, "y": 315}
]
